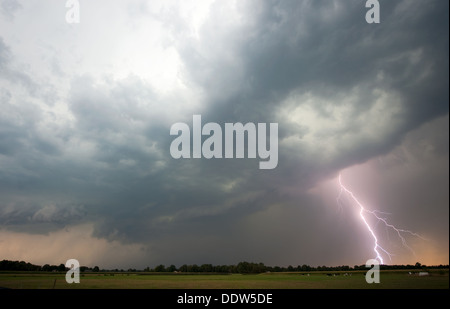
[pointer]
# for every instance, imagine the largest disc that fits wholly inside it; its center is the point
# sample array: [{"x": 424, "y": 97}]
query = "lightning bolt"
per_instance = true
[{"x": 364, "y": 212}]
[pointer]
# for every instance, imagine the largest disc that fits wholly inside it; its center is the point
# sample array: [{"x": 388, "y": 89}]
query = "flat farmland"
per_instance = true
[{"x": 315, "y": 280}]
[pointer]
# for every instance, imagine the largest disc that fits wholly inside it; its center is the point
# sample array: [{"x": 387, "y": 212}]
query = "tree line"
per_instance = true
[
  {"x": 240, "y": 268},
  {"x": 254, "y": 268},
  {"x": 7, "y": 265}
]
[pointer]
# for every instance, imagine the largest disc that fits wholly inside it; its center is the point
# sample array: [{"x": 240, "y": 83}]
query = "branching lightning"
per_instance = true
[{"x": 364, "y": 212}]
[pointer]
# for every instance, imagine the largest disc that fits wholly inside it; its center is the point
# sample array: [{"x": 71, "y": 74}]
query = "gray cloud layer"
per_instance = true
[{"x": 78, "y": 145}]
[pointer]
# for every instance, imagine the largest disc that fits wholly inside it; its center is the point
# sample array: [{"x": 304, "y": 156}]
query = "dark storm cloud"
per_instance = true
[
  {"x": 326, "y": 49},
  {"x": 322, "y": 47},
  {"x": 248, "y": 72},
  {"x": 364, "y": 86}
]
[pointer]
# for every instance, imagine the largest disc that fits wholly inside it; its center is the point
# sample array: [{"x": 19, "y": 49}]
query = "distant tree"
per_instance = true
[
  {"x": 250, "y": 268},
  {"x": 222, "y": 269},
  {"x": 206, "y": 268},
  {"x": 261, "y": 268},
  {"x": 232, "y": 269},
  {"x": 160, "y": 268},
  {"x": 305, "y": 267},
  {"x": 96, "y": 269},
  {"x": 243, "y": 267}
]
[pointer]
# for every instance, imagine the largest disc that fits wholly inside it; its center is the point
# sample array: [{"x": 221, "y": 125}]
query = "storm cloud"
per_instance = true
[{"x": 86, "y": 111}]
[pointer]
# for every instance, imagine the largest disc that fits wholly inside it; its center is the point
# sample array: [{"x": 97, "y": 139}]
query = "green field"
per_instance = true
[{"x": 316, "y": 280}]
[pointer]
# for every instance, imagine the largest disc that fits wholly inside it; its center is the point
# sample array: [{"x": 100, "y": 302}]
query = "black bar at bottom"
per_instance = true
[{"x": 220, "y": 298}]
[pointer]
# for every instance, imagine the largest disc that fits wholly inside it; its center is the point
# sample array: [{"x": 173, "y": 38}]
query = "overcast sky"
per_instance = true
[{"x": 86, "y": 111}]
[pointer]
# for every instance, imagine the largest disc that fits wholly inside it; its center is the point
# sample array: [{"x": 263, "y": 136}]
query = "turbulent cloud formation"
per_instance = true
[{"x": 86, "y": 111}]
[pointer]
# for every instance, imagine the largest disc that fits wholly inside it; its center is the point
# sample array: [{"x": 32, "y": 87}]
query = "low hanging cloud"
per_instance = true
[{"x": 56, "y": 247}]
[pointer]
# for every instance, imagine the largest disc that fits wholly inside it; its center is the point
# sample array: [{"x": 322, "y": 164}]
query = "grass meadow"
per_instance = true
[{"x": 389, "y": 279}]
